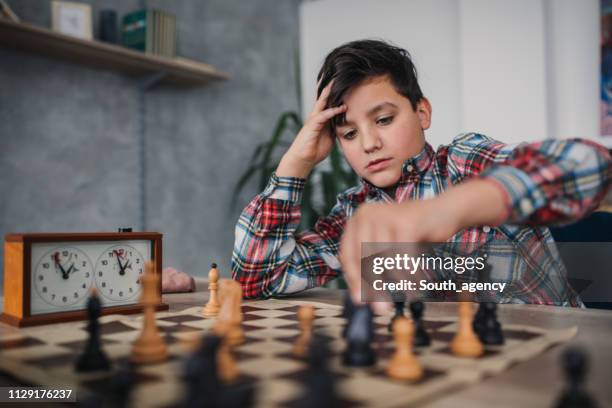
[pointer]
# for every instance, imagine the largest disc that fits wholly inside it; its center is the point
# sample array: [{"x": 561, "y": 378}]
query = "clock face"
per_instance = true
[
  {"x": 63, "y": 273},
  {"x": 118, "y": 271},
  {"x": 63, "y": 276}
]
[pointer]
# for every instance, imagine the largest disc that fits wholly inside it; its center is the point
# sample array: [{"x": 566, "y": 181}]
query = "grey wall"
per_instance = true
[{"x": 69, "y": 134}]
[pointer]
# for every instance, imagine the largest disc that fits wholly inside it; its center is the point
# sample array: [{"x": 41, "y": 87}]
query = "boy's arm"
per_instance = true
[
  {"x": 549, "y": 182},
  {"x": 269, "y": 258}
]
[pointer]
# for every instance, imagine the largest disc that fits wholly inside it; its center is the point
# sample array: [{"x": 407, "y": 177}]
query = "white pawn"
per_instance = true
[
  {"x": 305, "y": 316},
  {"x": 212, "y": 307},
  {"x": 404, "y": 365},
  {"x": 466, "y": 343}
]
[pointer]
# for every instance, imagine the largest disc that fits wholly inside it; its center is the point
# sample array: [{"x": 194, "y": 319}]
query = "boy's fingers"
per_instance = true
[
  {"x": 329, "y": 113},
  {"x": 322, "y": 101}
]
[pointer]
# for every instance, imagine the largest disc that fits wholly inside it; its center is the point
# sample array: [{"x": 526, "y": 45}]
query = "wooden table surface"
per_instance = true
[{"x": 533, "y": 383}]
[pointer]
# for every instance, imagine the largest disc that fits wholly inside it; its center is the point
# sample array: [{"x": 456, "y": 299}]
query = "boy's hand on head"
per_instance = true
[{"x": 314, "y": 141}]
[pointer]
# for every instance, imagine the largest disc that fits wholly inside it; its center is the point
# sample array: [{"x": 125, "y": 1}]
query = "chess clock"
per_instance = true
[{"x": 48, "y": 277}]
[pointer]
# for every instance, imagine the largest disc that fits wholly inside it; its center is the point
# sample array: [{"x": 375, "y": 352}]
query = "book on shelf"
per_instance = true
[{"x": 151, "y": 31}]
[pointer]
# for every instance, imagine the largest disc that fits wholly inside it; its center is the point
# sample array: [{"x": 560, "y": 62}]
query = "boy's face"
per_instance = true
[{"x": 381, "y": 131}]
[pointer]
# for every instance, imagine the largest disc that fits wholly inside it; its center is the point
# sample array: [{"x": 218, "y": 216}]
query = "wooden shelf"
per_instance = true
[{"x": 96, "y": 54}]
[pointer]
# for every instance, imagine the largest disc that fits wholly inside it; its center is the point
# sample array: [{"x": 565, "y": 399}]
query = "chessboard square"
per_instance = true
[
  {"x": 328, "y": 312},
  {"x": 370, "y": 389},
  {"x": 269, "y": 313},
  {"x": 268, "y": 304},
  {"x": 202, "y": 324},
  {"x": 80, "y": 344},
  {"x": 271, "y": 333},
  {"x": 267, "y": 347},
  {"x": 19, "y": 343},
  {"x": 268, "y": 366},
  {"x": 42, "y": 351},
  {"x": 53, "y": 360},
  {"x": 180, "y": 318},
  {"x": 272, "y": 393},
  {"x": 115, "y": 327},
  {"x": 271, "y": 322},
  {"x": 329, "y": 321}
]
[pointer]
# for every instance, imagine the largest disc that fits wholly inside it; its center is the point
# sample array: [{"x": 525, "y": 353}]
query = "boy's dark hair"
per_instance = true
[{"x": 352, "y": 63}]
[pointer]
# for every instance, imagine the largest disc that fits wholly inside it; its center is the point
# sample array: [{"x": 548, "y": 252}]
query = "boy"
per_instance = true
[{"x": 478, "y": 190}]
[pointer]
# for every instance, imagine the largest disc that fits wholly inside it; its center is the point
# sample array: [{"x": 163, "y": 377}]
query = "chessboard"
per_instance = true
[{"x": 45, "y": 356}]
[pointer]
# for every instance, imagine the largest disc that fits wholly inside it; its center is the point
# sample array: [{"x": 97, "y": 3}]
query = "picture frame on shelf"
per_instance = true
[{"x": 70, "y": 18}]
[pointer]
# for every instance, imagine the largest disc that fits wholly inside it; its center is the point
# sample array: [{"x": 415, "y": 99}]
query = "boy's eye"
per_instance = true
[
  {"x": 350, "y": 135},
  {"x": 385, "y": 120}
]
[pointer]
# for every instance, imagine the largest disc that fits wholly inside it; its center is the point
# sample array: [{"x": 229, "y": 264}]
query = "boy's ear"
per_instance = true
[{"x": 423, "y": 110}]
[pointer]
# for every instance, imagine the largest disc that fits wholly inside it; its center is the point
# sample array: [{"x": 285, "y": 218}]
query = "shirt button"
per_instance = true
[
  {"x": 409, "y": 167},
  {"x": 525, "y": 206},
  {"x": 486, "y": 228}
]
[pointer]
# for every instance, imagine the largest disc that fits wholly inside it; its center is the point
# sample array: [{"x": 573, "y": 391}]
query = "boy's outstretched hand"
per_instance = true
[
  {"x": 314, "y": 141},
  {"x": 473, "y": 203}
]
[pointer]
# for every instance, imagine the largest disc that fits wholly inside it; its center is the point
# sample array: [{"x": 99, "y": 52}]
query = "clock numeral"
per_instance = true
[
  {"x": 87, "y": 274},
  {"x": 111, "y": 291},
  {"x": 76, "y": 295},
  {"x": 64, "y": 253},
  {"x": 46, "y": 265},
  {"x": 100, "y": 273},
  {"x": 40, "y": 277},
  {"x": 84, "y": 286},
  {"x": 104, "y": 262},
  {"x": 131, "y": 290},
  {"x": 53, "y": 296},
  {"x": 44, "y": 289},
  {"x": 137, "y": 260},
  {"x": 103, "y": 284},
  {"x": 84, "y": 264},
  {"x": 64, "y": 299}
]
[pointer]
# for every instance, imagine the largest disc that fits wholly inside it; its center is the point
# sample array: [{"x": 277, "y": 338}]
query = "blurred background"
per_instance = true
[{"x": 86, "y": 147}]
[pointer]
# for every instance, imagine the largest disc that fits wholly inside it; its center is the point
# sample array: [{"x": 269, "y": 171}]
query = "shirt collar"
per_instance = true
[{"x": 412, "y": 169}]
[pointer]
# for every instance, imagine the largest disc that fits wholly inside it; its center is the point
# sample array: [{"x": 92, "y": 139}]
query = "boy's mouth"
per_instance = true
[{"x": 378, "y": 164}]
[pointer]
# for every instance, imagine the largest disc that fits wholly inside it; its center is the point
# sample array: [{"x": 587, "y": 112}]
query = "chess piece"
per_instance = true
[
  {"x": 404, "y": 365},
  {"x": 150, "y": 346},
  {"x": 347, "y": 311},
  {"x": 200, "y": 375},
  {"x": 466, "y": 343},
  {"x": 399, "y": 301},
  {"x": 421, "y": 337},
  {"x": 359, "y": 335},
  {"x": 491, "y": 333},
  {"x": 305, "y": 316},
  {"x": 93, "y": 357},
  {"x": 574, "y": 395},
  {"x": 212, "y": 307},
  {"x": 320, "y": 381},
  {"x": 478, "y": 322},
  {"x": 122, "y": 383},
  {"x": 226, "y": 365},
  {"x": 229, "y": 319}
]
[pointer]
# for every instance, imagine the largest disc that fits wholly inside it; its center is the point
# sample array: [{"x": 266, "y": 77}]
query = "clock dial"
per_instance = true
[
  {"x": 63, "y": 276},
  {"x": 117, "y": 272}
]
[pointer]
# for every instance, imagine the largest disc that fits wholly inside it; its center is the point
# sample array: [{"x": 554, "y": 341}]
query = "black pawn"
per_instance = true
[
  {"x": 575, "y": 365},
  {"x": 399, "y": 312},
  {"x": 347, "y": 311},
  {"x": 200, "y": 375},
  {"x": 359, "y": 336},
  {"x": 121, "y": 385},
  {"x": 478, "y": 322},
  {"x": 93, "y": 357},
  {"x": 421, "y": 338},
  {"x": 320, "y": 381},
  {"x": 491, "y": 333}
]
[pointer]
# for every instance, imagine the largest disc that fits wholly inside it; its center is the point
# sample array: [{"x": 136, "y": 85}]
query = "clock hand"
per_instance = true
[
  {"x": 121, "y": 267},
  {"x": 57, "y": 263}
]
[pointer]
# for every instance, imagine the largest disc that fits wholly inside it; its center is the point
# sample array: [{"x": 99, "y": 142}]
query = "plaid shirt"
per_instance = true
[{"x": 549, "y": 182}]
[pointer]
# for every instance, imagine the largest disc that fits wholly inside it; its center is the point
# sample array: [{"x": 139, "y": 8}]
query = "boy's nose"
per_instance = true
[{"x": 371, "y": 141}]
